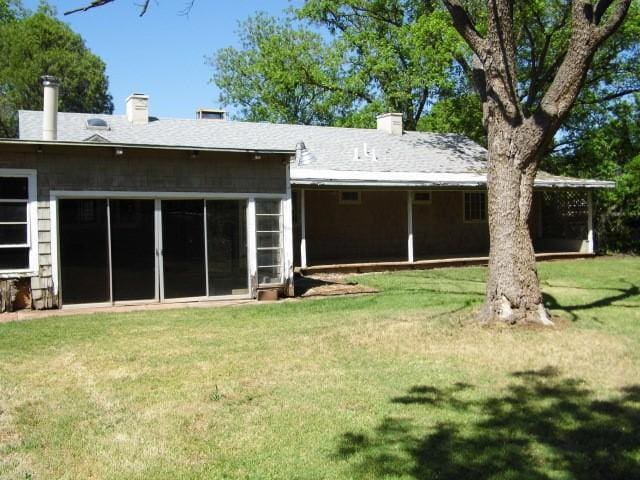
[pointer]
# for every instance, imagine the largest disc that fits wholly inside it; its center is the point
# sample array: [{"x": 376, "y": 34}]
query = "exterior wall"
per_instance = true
[
  {"x": 64, "y": 168},
  {"x": 374, "y": 229},
  {"x": 439, "y": 228}
]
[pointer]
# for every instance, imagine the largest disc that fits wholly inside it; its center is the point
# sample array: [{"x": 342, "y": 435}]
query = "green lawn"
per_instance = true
[{"x": 401, "y": 384}]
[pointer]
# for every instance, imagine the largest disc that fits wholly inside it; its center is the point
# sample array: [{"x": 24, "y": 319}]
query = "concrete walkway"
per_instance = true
[{"x": 80, "y": 310}]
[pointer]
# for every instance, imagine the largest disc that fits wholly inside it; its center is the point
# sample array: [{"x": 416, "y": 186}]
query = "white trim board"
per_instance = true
[{"x": 359, "y": 178}]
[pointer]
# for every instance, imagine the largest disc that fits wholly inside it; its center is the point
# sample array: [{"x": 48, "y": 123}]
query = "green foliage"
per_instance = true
[
  {"x": 35, "y": 44},
  {"x": 370, "y": 56},
  {"x": 457, "y": 114},
  {"x": 279, "y": 73}
]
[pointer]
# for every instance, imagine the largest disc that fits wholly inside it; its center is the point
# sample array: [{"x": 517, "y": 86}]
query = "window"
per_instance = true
[
  {"x": 17, "y": 192},
  {"x": 350, "y": 197},
  {"x": 421, "y": 198},
  {"x": 475, "y": 206},
  {"x": 269, "y": 240}
]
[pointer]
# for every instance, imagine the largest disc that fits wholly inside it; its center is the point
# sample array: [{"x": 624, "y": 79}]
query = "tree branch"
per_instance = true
[
  {"x": 615, "y": 20},
  {"x": 610, "y": 96},
  {"x": 465, "y": 27},
  {"x": 144, "y": 6}
]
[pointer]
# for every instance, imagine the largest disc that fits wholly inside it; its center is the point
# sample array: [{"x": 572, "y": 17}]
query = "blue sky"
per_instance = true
[{"x": 163, "y": 53}]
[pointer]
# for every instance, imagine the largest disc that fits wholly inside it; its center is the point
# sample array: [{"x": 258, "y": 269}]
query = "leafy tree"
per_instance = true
[
  {"x": 392, "y": 55},
  {"x": 521, "y": 122},
  {"x": 279, "y": 73},
  {"x": 34, "y": 44},
  {"x": 461, "y": 113}
]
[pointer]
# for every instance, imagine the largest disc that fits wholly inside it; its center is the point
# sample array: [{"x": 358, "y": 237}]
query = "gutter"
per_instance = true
[{"x": 57, "y": 143}]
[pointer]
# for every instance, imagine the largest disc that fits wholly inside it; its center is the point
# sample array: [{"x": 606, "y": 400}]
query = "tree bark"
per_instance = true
[
  {"x": 517, "y": 140},
  {"x": 513, "y": 293}
]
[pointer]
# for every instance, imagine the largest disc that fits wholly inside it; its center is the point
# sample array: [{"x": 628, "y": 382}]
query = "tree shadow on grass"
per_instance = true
[
  {"x": 632, "y": 292},
  {"x": 542, "y": 427}
]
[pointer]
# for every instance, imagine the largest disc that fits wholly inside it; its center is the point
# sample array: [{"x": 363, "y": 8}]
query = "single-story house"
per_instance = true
[{"x": 109, "y": 209}]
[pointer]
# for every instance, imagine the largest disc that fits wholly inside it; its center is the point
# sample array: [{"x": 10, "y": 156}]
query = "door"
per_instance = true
[
  {"x": 183, "y": 249},
  {"x": 227, "y": 247},
  {"x": 84, "y": 251},
  {"x": 133, "y": 249}
]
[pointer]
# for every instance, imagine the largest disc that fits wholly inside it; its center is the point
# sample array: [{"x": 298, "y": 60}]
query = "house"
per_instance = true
[{"x": 103, "y": 209}]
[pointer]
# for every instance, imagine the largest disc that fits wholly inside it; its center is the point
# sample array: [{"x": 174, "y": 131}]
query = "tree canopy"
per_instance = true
[
  {"x": 34, "y": 44},
  {"x": 348, "y": 61}
]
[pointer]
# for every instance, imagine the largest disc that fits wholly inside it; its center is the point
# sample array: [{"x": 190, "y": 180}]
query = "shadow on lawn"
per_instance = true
[
  {"x": 544, "y": 426},
  {"x": 625, "y": 293}
]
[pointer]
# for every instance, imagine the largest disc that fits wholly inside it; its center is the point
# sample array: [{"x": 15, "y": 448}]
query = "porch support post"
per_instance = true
[
  {"x": 590, "y": 245},
  {"x": 287, "y": 223},
  {"x": 409, "y": 227},
  {"x": 303, "y": 233}
]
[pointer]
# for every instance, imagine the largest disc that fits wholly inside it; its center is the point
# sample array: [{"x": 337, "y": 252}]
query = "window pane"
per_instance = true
[
  {"x": 14, "y": 258},
  {"x": 268, "y": 257},
  {"x": 268, "y": 206},
  {"x": 350, "y": 196},
  {"x": 227, "y": 247},
  {"x": 269, "y": 275},
  {"x": 14, "y": 187},
  {"x": 266, "y": 240},
  {"x": 13, "y": 212},
  {"x": 84, "y": 252},
  {"x": 13, "y": 234},
  {"x": 269, "y": 223}
]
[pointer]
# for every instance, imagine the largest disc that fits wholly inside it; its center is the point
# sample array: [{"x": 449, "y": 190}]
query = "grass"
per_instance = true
[{"x": 402, "y": 384}]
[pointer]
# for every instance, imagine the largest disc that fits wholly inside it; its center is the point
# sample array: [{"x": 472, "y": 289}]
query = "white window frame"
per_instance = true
[
  {"x": 32, "y": 221},
  {"x": 280, "y": 247},
  {"x": 421, "y": 202},
  {"x": 343, "y": 201},
  {"x": 464, "y": 207}
]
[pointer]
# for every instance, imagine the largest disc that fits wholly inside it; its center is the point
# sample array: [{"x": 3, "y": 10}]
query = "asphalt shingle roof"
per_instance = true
[
  {"x": 323, "y": 154},
  {"x": 329, "y": 148}
]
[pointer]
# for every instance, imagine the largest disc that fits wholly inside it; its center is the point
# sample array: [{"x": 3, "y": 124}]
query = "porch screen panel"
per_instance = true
[
  {"x": 183, "y": 248},
  {"x": 133, "y": 249},
  {"x": 84, "y": 251},
  {"x": 227, "y": 247},
  {"x": 269, "y": 240}
]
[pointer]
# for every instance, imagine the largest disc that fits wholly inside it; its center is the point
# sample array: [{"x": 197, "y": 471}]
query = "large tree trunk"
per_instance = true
[{"x": 513, "y": 292}]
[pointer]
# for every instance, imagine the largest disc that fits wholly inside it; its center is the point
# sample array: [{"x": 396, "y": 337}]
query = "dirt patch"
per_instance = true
[{"x": 327, "y": 285}]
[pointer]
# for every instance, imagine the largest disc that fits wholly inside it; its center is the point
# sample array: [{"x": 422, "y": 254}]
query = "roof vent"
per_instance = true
[
  {"x": 95, "y": 123},
  {"x": 210, "y": 114}
]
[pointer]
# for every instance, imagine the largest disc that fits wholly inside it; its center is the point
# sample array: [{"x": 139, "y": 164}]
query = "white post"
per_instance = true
[
  {"x": 303, "y": 233},
  {"x": 590, "y": 245},
  {"x": 410, "y": 226},
  {"x": 251, "y": 246},
  {"x": 287, "y": 223}
]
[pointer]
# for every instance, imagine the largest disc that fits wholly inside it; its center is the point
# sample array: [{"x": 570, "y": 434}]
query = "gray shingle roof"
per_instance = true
[
  {"x": 323, "y": 154},
  {"x": 326, "y": 147}
]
